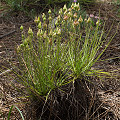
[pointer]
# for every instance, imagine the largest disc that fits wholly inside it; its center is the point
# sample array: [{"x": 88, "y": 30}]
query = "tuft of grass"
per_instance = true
[{"x": 55, "y": 56}]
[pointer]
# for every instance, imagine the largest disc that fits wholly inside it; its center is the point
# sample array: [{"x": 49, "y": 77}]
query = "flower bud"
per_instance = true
[
  {"x": 69, "y": 9},
  {"x": 75, "y": 15},
  {"x": 21, "y": 45},
  {"x": 30, "y": 32},
  {"x": 56, "y": 22},
  {"x": 49, "y": 12},
  {"x": 65, "y": 12},
  {"x": 27, "y": 47},
  {"x": 50, "y": 18},
  {"x": 65, "y": 17},
  {"x": 58, "y": 18},
  {"x": 85, "y": 20},
  {"x": 43, "y": 15},
  {"x": 97, "y": 23},
  {"x": 80, "y": 19},
  {"x": 50, "y": 41},
  {"x": 54, "y": 34},
  {"x": 21, "y": 28},
  {"x": 51, "y": 33},
  {"x": 69, "y": 14},
  {"x": 64, "y": 8},
  {"x": 62, "y": 22},
  {"x": 76, "y": 7},
  {"x": 38, "y": 33},
  {"x": 18, "y": 49},
  {"x": 39, "y": 25},
  {"x": 59, "y": 32},
  {"x": 45, "y": 35},
  {"x": 44, "y": 26},
  {"x": 44, "y": 19},
  {"x": 72, "y": 6},
  {"x": 60, "y": 11},
  {"x": 41, "y": 32},
  {"x": 71, "y": 20},
  {"x": 89, "y": 20},
  {"x": 76, "y": 22},
  {"x": 23, "y": 37},
  {"x": 25, "y": 42},
  {"x": 37, "y": 20}
]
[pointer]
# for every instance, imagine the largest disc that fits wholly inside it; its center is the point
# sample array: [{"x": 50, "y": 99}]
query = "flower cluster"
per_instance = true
[{"x": 69, "y": 18}]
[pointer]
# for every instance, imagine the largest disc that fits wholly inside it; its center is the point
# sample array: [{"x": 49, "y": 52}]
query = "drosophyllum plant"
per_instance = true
[{"x": 57, "y": 55}]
